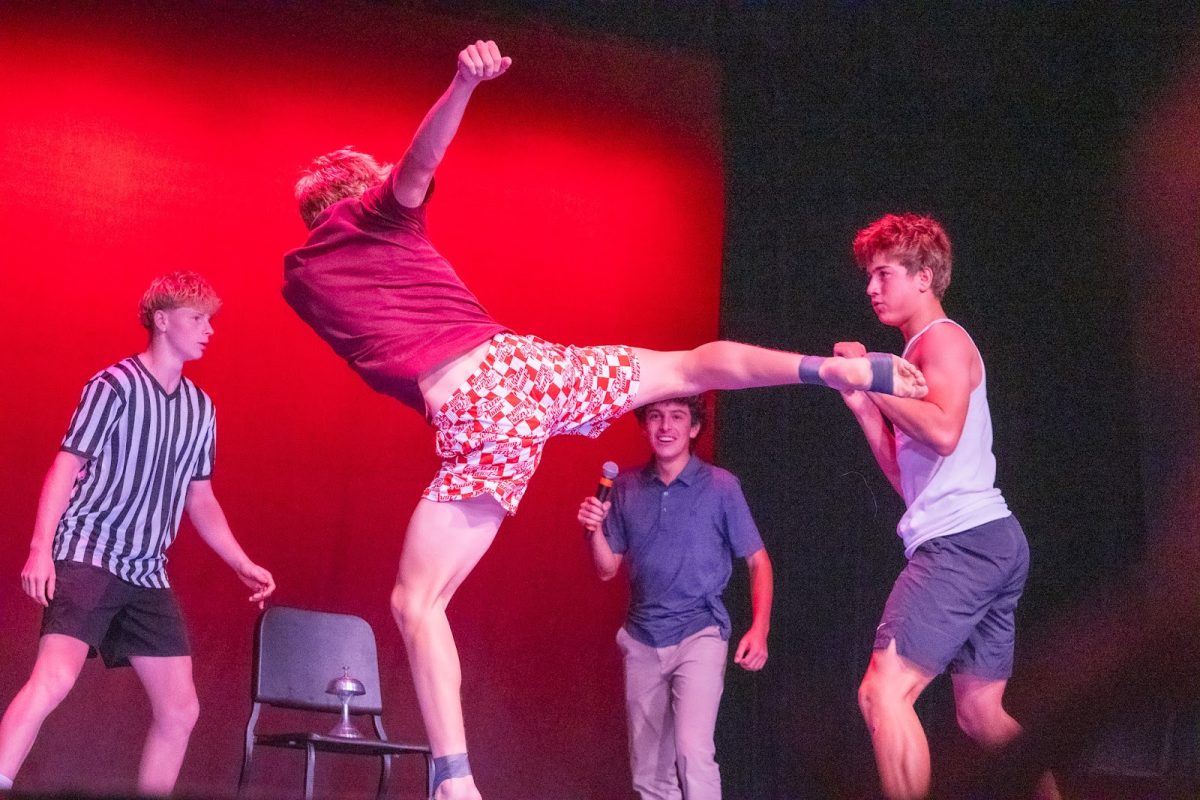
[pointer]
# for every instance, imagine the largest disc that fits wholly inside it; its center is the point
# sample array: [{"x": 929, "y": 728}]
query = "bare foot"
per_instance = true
[
  {"x": 458, "y": 789},
  {"x": 846, "y": 374}
]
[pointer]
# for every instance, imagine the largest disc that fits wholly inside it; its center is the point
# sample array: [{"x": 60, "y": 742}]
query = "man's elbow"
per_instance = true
[
  {"x": 946, "y": 444},
  {"x": 606, "y": 572}
]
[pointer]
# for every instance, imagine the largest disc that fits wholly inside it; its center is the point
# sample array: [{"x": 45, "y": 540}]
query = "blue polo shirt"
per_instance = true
[{"x": 678, "y": 542}]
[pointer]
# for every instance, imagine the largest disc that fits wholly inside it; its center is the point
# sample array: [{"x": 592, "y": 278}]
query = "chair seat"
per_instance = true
[{"x": 338, "y": 744}]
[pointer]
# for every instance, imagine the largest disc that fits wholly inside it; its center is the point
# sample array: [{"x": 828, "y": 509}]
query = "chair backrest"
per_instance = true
[{"x": 297, "y": 653}]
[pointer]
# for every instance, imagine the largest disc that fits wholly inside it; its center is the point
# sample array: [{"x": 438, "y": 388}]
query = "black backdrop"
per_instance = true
[{"x": 1012, "y": 124}]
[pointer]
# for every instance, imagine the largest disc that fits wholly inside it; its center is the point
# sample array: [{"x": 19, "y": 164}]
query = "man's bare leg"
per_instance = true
[
  {"x": 443, "y": 544},
  {"x": 174, "y": 710},
  {"x": 886, "y": 696},
  {"x": 979, "y": 706},
  {"x": 59, "y": 660},
  {"x": 732, "y": 365}
]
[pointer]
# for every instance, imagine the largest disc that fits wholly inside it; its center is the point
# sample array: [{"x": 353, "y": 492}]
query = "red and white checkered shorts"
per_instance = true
[{"x": 492, "y": 430}]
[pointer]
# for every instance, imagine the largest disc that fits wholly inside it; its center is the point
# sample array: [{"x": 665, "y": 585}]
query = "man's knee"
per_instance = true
[
  {"x": 695, "y": 748},
  {"x": 869, "y": 696},
  {"x": 180, "y": 714},
  {"x": 986, "y": 722},
  {"x": 50, "y": 684},
  {"x": 409, "y": 610},
  {"x": 879, "y": 691}
]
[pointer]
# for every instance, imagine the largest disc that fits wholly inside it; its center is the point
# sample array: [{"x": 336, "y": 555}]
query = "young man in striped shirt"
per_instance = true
[{"x": 139, "y": 451}]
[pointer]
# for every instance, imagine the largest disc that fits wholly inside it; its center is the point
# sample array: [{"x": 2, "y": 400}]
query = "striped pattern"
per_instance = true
[{"x": 143, "y": 447}]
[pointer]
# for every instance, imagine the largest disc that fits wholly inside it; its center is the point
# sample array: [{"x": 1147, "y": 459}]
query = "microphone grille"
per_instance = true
[{"x": 610, "y": 469}]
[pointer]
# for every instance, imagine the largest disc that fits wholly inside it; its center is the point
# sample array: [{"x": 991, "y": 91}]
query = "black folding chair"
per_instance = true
[{"x": 296, "y": 654}]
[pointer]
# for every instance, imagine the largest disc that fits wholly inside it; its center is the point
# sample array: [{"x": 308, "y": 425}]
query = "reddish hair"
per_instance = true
[{"x": 916, "y": 242}]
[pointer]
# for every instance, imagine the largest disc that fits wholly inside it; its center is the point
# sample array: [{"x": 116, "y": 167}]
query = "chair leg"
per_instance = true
[
  {"x": 245, "y": 773},
  {"x": 385, "y": 772},
  {"x": 429, "y": 775},
  {"x": 310, "y": 762}
]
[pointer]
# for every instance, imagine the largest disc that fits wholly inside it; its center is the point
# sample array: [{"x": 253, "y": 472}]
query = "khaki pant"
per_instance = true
[{"x": 671, "y": 699}]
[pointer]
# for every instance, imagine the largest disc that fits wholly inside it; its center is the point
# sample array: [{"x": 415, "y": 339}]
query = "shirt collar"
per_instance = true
[{"x": 686, "y": 477}]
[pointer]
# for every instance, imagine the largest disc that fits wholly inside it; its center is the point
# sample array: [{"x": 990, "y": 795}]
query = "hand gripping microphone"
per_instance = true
[{"x": 607, "y": 473}]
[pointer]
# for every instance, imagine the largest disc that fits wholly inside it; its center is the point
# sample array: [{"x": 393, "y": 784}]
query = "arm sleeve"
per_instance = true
[
  {"x": 208, "y": 452},
  {"x": 744, "y": 539},
  {"x": 97, "y": 414},
  {"x": 381, "y": 200}
]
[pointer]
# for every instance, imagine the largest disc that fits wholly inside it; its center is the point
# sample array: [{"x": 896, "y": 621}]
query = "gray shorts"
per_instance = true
[{"x": 955, "y": 603}]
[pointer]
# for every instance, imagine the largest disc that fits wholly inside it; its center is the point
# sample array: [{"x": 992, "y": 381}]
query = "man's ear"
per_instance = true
[{"x": 925, "y": 279}]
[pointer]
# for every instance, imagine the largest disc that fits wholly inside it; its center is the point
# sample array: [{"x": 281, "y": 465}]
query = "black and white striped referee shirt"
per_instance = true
[{"x": 143, "y": 447}]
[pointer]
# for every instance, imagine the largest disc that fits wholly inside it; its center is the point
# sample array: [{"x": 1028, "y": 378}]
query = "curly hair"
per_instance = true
[
  {"x": 174, "y": 290},
  {"x": 695, "y": 406},
  {"x": 917, "y": 242},
  {"x": 336, "y": 176}
]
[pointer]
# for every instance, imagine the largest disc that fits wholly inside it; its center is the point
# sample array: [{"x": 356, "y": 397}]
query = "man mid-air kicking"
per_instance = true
[{"x": 371, "y": 284}]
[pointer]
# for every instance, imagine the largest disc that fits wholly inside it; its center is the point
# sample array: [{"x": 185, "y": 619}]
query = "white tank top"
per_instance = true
[{"x": 954, "y": 493}]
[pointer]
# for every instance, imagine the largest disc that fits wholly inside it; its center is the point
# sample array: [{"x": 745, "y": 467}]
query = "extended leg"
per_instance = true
[
  {"x": 174, "y": 710},
  {"x": 886, "y": 696},
  {"x": 59, "y": 660},
  {"x": 443, "y": 544},
  {"x": 731, "y": 365}
]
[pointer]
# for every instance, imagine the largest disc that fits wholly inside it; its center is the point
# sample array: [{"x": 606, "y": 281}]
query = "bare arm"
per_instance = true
[
  {"x": 205, "y": 513},
  {"x": 591, "y": 516},
  {"x": 751, "y": 651},
  {"x": 952, "y": 370},
  {"x": 880, "y": 437},
  {"x": 37, "y": 576},
  {"x": 875, "y": 428},
  {"x": 476, "y": 63}
]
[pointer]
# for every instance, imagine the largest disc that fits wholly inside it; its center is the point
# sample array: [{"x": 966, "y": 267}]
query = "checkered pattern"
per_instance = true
[{"x": 491, "y": 432}]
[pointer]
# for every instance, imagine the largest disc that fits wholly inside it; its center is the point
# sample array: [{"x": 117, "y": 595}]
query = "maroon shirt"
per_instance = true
[{"x": 371, "y": 284}]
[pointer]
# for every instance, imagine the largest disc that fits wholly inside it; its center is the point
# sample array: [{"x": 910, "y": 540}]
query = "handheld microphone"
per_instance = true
[{"x": 607, "y": 473}]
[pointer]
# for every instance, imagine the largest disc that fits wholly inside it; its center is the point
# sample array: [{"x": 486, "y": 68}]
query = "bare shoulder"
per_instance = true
[
  {"x": 945, "y": 343},
  {"x": 946, "y": 354}
]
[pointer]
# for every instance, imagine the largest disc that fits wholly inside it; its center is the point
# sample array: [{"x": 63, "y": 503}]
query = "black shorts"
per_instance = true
[{"x": 114, "y": 618}]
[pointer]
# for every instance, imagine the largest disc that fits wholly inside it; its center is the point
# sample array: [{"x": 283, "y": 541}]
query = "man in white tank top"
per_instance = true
[{"x": 953, "y": 607}]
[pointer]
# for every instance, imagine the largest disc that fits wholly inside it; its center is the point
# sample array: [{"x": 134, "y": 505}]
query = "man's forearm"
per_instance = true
[
  {"x": 606, "y": 561},
  {"x": 209, "y": 520},
  {"x": 437, "y": 130},
  {"x": 922, "y": 420},
  {"x": 429, "y": 145},
  {"x": 762, "y": 591},
  {"x": 882, "y": 442},
  {"x": 52, "y": 502}
]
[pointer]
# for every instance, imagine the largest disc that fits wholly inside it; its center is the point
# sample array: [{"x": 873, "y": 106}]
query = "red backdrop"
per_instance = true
[{"x": 582, "y": 201}]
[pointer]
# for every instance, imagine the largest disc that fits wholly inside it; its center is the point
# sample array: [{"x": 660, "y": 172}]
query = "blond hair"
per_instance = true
[
  {"x": 175, "y": 290},
  {"x": 336, "y": 176}
]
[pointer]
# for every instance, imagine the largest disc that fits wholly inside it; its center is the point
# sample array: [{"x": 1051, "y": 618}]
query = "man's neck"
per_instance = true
[
  {"x": 914, "y": 324},
  {"x": 669, "y": 470},
  {"x": 166, "y": 367}
]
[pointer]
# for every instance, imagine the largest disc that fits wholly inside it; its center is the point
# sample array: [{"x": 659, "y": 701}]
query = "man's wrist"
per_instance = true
[{"x": 39, "y": 548}]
